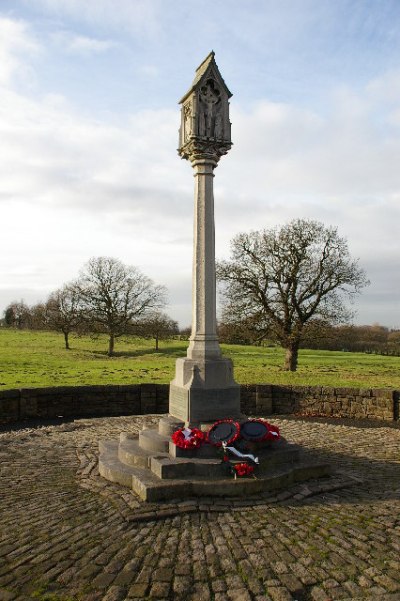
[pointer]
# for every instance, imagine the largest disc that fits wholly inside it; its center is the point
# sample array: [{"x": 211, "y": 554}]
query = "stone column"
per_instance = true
[
  {"x": 203, "y": 341},
  {"x": 203, "y": 389}
]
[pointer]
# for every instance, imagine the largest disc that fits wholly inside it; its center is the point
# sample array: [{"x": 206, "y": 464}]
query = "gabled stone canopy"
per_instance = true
[
  {"x": 202, "y": 72},
  {"x": 205, "y": 126}
]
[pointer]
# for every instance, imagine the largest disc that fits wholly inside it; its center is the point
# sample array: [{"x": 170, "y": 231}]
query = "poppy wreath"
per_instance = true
[
  {"x": 270, "y": 432},
  {"x": 187, "y": 438},
  {"x": 231, "y": 440},
  {"x": 243, "y": 469}
]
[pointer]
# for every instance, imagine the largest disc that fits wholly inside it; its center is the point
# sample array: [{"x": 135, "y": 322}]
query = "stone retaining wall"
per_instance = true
[
  {"x": 83, "y": 401},
  {"x": 139, "y": 399},
  {"x": 359, "y": 403}
]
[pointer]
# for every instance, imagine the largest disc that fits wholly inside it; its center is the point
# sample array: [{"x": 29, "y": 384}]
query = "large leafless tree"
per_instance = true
[
  {"x": 279, "y": 279},
  {"x": 114, "y": 296}
]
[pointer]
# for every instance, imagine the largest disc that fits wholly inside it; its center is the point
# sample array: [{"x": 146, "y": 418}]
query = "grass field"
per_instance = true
[{"x": 32, "y": 359}]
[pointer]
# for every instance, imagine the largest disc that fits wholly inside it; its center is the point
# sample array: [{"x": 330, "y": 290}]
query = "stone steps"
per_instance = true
[
  {"x": 206, "y": 451},
  {"x": 149, "y": 487},
  {"x": 153, "y": 441},
  {"x": 178, "y": 468},
  {"x": 156, "y": 470},
  {"x": 205, "y": 461},
  {"x": 111, "y": 468},
  {"x": 131, "y": 453},
  {"x": 168, "y": 425}
]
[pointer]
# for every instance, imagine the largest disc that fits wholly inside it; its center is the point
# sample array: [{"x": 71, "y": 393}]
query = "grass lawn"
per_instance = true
[{"x": 32, "y": 359}]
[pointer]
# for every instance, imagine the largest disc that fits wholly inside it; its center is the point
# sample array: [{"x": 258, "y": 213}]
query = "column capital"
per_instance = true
[{"x": 204, "y": 151}]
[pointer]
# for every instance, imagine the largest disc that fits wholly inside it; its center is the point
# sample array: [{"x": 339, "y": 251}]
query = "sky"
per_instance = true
[{"x": 89, "y": 120}]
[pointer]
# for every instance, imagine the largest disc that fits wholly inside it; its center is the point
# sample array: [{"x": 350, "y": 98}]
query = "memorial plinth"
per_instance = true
[{"x": 156, "y": 470}]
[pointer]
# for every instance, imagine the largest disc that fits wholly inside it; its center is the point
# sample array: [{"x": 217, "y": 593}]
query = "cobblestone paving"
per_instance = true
[{"x": 65, "y": 534}]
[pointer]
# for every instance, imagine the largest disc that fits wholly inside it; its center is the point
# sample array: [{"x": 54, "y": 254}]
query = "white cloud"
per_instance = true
[
  {"x": 53, "y": 156},
  {"x": 386, "y": 88},
  {"x": 79, "y": 44},
  {"x": 290, "y": 151},
  {"x": 73, "y": 187},
  {"x": 92, "y": 188},
  {"x": 138, "y": 16},
  {"x": 16, "y": 45}
]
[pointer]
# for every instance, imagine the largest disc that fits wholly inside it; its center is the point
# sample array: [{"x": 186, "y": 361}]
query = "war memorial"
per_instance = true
[
  {"x": 168, "y": 509},
  {"x": 204, "y": 399}
]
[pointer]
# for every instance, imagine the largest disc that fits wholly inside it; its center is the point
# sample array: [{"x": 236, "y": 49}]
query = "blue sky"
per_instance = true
[{"x": 88, "y": 134}]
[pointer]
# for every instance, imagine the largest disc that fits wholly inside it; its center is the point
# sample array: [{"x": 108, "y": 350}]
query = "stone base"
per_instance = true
[
  {"x": 194, "y": 405},
  {"x": 153, "y": 467},
  {"x": 204, "y": 391}
]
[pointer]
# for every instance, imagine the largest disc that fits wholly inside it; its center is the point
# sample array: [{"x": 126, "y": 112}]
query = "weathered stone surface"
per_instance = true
[{"x": 154, "y": 442}]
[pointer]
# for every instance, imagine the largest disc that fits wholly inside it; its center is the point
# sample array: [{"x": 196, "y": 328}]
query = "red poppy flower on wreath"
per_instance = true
[
  {"x": 243, "y": 469},
  {"x": 188, "y": 438}
]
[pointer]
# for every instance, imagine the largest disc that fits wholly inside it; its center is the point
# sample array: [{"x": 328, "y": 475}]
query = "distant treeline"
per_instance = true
[
  {"x": 317, "y": 335},
  {"x": 43, "y": 316},
  {"x": 351, "y": 338}
]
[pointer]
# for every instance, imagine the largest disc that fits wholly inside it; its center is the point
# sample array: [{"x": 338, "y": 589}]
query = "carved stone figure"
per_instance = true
[{"x": 210, "y": 96}]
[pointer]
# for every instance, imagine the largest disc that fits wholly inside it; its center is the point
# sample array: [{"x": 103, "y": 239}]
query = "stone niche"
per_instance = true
[{"x": 205, "y": 110}]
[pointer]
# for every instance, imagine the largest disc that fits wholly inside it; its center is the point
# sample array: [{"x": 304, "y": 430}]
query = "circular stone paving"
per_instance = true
[{"x": 66, "y": 534}]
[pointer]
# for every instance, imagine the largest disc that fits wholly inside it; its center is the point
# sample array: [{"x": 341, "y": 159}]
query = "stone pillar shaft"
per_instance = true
[{"x": 203, "y": 341}]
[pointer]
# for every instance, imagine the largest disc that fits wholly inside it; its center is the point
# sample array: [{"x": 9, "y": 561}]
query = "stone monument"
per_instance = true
[{"x": 204, "y": 389}]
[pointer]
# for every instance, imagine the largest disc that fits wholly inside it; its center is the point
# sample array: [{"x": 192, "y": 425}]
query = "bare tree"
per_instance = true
[
  {"x": 282, "y": 278},
  {"x": 63, "y": 312},
  {"x": 37, "y": 316},
  {"x": 9, "y": 316},
  {"x": 113, "y": 296},
  {"x": 159, "y": 326},
  {"x": 394, "y": 342},
  {"x": 18, "y": 315}
]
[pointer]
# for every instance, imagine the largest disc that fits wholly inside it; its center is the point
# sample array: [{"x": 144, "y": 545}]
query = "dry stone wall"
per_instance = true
[
  {"x": 82, "y": 401},
  {"x": 358, "y": 403},
  {"x": 140, "y": 399}
]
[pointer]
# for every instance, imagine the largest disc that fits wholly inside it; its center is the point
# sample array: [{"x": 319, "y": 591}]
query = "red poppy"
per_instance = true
[
  {"x": 188, "y": 438},
  {"x": 243, "y": 469}
]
